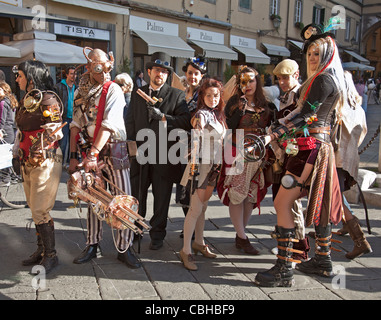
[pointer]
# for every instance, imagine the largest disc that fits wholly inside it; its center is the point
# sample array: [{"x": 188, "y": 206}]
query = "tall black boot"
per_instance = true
[
  {"x": 281, "y": 274},
  {"x": 35, "y": 257},
  {"x": 321, "y": 263},
  {"x": 49, "y": 259}
]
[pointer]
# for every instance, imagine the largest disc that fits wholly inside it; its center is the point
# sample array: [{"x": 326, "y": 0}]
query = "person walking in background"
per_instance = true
[
  {"x": 127, "y": 85},
  {"x": 362, "y": 90},
  {"x": 65, "y": 90},
  {"x": 208, "y": 122},
  {"x": 39, "y": 114},
  {"x": 139, "y": 81},
  {"x": 8, "y": 105}
]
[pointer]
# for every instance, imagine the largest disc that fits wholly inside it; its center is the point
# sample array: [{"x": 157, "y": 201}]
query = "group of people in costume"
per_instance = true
[{"x": 297, "y": 155}]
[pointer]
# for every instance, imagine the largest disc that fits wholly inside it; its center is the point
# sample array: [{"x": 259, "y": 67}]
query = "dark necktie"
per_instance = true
[{"x": 154, "y": 93}]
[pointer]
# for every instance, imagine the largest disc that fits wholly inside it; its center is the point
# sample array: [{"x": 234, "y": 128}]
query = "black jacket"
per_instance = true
[{"x": 177, "y": 114}]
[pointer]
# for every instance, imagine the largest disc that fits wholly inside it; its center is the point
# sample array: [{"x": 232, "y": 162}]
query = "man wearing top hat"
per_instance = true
[{"x": 170, "y": 112}]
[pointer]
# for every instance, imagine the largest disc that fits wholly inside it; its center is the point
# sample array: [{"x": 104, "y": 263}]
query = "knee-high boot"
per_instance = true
[
  {"x": 321, "y": 263},
  {"x": 361, "y": 245},
  {"x": 35, "y": 257},
  {"x": 50, "y": 259},
  {"x": 281, "y": 274}
]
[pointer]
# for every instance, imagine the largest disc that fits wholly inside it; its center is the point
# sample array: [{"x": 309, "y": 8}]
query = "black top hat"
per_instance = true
[
  {"x": 161, "y": 60},
  {"x": 312, "y": 32},
  {"x": 198, "y": 62}
]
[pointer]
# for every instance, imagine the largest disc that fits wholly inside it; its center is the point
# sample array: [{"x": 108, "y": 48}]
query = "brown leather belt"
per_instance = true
[{"x": 326, "y": 130}]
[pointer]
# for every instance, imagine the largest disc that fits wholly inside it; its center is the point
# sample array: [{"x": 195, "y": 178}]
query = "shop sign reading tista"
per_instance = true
[{"x": 81, "y": 32}]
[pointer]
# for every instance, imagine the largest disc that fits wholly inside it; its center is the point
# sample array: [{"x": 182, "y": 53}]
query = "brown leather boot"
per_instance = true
[
  {"x": 35, "y": 257},
  {"x": 362, "y": 246},
  {"x": 245, "y": 245}
]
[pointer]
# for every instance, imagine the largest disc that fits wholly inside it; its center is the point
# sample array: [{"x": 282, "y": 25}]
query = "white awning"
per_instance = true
[
  {"x": 297, "y": 44},
  {"x": 172, "y": 45},
  {"x": 253, "y": 55},
  {"x": 24, "y": 13},
  {"x": 354, "y": 66},
  {"x": 217, "y": 51},
  {"x": 358, "y": 57},
  {"x": 276, "y": 50},
  {"x": 42, "y": 46},
  {"x": 98, "y": 5},
  {"x": 6, "y": 51}
]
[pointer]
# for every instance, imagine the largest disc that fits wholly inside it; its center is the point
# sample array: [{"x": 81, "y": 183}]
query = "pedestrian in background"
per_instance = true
[
  {"x": 126, "y": 84},
  {"x": 65, "y": 90},
  {"x": 8, "y": 104}
]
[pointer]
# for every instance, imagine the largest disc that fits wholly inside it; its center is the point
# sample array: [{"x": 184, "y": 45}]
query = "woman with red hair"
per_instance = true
[{"x": 206, "y": 157}]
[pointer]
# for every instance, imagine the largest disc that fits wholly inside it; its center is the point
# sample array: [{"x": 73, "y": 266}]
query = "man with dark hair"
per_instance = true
[
  {"x": 65, "y": 89},
  {"x": 170, "y": 112}
]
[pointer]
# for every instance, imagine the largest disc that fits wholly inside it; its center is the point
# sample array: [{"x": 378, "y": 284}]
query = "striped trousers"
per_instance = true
[{"x": 124, "y": 238}]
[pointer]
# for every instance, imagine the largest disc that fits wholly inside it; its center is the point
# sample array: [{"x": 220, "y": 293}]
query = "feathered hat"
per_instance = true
[{"x": 312, "y": 32}]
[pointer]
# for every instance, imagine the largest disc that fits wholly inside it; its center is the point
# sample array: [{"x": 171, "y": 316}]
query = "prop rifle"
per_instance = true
[{"x": 151, "y": 102}]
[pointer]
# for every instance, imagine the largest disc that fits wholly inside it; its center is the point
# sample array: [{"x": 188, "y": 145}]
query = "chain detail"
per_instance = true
[{"x": 371, "y": 140}]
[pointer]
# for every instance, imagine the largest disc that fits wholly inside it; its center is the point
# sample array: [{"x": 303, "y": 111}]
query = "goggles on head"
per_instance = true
[
  {"x": 97, "y": 66},
  {"x": 163, "y": 63}
]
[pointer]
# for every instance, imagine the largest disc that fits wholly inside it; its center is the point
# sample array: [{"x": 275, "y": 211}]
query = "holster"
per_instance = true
[{"x": 119, "y": 153}]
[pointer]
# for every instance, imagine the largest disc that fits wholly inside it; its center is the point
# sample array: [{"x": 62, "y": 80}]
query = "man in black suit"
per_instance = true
[{"x": 170, "y": 112}]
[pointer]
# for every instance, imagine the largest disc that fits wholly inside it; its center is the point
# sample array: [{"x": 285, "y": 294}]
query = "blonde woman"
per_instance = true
[{"x": 311, "y": 164}]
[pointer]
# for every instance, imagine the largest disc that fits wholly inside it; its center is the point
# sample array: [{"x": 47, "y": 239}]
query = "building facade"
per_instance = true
[{"x": 228, "y": 32}]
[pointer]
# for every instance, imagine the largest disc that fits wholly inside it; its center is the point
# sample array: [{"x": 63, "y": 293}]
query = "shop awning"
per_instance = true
[
  {"x": 358, "y": 57},
  {"x": 253, "y": 55},
  {"x": 297, "y": 44},
  {"x": 217, "y": 51},
  {"x": 276, "y": 50},
  {"x": 354, "y": 66},
  {"x": 42, "y": 46},
  {"x": 97, "y": 5},
  {"x": 24, "y": 13},
  {"x": 172, "y": 45},
  {"x": 6, "y": 51}
]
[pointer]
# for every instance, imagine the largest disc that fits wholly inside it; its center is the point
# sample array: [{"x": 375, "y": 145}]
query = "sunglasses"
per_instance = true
[{"x": 163, "y": 63}]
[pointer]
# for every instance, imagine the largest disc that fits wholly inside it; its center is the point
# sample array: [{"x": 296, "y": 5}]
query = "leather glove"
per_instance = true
[
  {"x": 154, "y": 114},
  {"x": 16, "y": 165}
]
